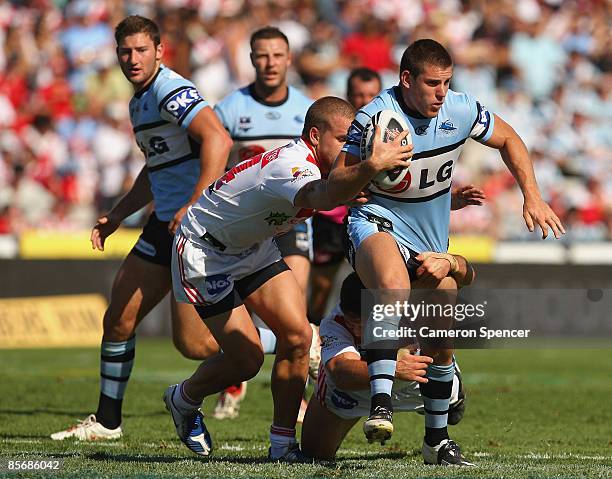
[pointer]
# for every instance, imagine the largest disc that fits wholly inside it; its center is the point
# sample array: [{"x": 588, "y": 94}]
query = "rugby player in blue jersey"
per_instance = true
[
  {"x": 185, "y": 148},
  {"x": 395, "y": 226}
]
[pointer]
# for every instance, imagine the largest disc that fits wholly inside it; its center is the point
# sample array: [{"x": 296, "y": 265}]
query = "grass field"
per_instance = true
[{"x": 530, "y": 413}]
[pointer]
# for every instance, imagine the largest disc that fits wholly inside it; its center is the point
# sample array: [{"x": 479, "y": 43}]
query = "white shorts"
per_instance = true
[
  {"x": 217, "y": 282},
  {"x": 406, "y": 396}
]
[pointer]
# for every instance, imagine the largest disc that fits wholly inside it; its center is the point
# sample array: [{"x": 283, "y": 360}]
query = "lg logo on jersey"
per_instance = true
[
  {"x": 157, "y": 146},
  {"x": 443, "y": 174},
  {"x": 427, "y": 178}
]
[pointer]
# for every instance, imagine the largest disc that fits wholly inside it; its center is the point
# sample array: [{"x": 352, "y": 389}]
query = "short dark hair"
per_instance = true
[
  {"x": 363, "y": 74},
  {"x": 267, "y": 33},
  {"x": 320, "y": 112},
  {"x": 422, "y": 52},
  {"x": 350, "y": 294},
  {"x": 136, "y": 24}
]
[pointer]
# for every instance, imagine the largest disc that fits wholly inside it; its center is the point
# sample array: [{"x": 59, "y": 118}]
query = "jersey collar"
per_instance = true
[
  {"x": 139, "y": 93},
  {"x": 311, "y": 158},
  {"x": 258, "y": 99},
  {"x": 408, "y": 111}
]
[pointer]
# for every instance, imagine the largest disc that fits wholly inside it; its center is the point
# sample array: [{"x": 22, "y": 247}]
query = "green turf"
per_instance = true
[{"x": 531, "y": 413}]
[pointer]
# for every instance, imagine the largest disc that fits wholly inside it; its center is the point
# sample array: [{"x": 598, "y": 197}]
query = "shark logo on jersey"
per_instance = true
[
  {"x": 245, "y": 123},
  {"x": 276, "y": 218},
  {"x": 448, "y": 128},
  {"x": 421, "y": 130},
  {"x": 273, "y": 115},
  {"x": 180, "y": 102}
]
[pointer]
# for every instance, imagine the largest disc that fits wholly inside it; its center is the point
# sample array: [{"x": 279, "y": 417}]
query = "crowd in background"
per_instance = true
[{"x": 66, "y": 145}]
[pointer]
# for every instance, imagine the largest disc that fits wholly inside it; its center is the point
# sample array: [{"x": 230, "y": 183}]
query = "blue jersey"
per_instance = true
[
  {"x": 419, "y": 208},
  {"x": 160, "y": 115},
  {"x": 256, "y": 125}
]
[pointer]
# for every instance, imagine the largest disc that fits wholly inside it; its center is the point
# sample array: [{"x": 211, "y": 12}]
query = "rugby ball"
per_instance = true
[{"x": 391, "y": 124}]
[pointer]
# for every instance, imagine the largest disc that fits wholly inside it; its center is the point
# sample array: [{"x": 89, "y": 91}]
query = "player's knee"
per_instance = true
[
  {"x": 449, "y": 283},
  {"x": 393, "y": 282},
  {"x": 295, "y": 343},
  {"x": 118, "y": 327},
  {"x": 249, "y": 362},
  {"x": 199, "y": 349}
]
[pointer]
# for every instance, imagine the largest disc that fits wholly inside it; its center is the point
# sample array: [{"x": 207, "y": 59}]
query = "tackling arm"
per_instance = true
[
  {"x": 349, "y": 175},
  {"x": 436, "y": 266},
  {"x": 350, "y": 373}
]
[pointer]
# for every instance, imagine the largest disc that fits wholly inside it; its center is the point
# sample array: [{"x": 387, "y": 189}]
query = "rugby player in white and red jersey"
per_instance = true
[
  {"x": 225, "y": 260},
  {"x": 261, "y": 116}
]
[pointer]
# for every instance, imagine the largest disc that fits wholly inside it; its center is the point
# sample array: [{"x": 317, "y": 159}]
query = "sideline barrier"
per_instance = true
[
  {"x": 55, "y": 245},
  {"x": 51, "y": 321},
  {"x": 47, "y": 245}
]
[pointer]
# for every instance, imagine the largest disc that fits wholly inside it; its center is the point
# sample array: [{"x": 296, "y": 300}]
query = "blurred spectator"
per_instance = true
[
  {"x": 369, "y": 47},
  {"x": 544, "y": 65}
]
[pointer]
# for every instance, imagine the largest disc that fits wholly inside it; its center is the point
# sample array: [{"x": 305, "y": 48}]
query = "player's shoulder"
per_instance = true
[
  {"x": 168, "y": 82},
  {"x": 458, "y": 100},
  {"x": 459, "y": 108},
  {"x": 238, "y": 96},
  {"x": 385, "y": 100},
  {"x": 297, "y": 96},
  {"x": 296, "y": 153},
  {"x": 293, "y": 160},
  {"x": 333, "y": 323}
]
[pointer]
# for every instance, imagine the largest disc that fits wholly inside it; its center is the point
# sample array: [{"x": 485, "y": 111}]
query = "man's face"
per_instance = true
[
  {"x": 362, "y": 92},
  {"x": 271, "y": 58},
  {"x": 331, "y": 140},
  {"x": 426, "y": 93},
  {"x": 139, "y": 59}
]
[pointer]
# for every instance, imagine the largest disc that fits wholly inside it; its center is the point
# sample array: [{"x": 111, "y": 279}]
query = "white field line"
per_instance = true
[
  {"x": 356, "y": 452},
  {"x": 80, "y": 443},
  {"x": 568, "y": 455}
]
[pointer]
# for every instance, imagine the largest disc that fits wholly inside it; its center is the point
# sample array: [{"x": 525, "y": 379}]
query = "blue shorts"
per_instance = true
[
  {"x": 155, "y": 242},
  {"x": 362, "y": 224}
]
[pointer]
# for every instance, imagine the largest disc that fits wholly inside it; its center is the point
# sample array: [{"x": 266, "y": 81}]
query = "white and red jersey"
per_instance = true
[{"x": 254, "y": 200}]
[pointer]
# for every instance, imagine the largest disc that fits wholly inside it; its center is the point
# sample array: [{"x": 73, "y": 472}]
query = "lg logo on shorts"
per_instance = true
[
  {"x": 180, "y": 102},
  {"x": 217, "y": 283}
]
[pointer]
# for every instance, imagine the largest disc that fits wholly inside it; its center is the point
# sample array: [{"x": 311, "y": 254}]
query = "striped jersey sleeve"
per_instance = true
[
  {"x": 179, "y": 100},
  {"x": 483, "y": 121}
]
